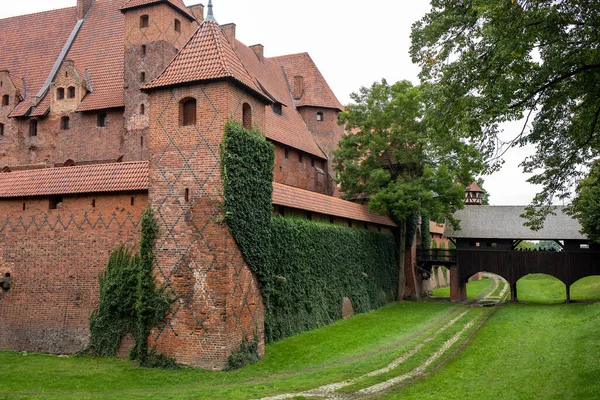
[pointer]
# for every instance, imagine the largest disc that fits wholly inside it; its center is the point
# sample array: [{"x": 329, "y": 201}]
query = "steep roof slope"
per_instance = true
[
  {"x": 30, "y": 45},
  {"x": 317, "y": 92},
  {"x": 289, "y": 127},
  {"x": 207, "y": 56}
]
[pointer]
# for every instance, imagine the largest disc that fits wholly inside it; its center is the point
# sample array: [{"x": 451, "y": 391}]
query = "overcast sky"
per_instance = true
[{"x": 354, "y": 43}]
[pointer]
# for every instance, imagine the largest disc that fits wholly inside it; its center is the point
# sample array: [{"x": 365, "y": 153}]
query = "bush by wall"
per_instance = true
[{"x": 304, "y": 268}]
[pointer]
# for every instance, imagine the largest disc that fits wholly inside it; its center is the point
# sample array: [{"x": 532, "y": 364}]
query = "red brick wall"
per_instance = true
[
  {"x": 54, "y": 258},
  {"x": 302, "y": 174},
  {"x": 219, "y": 301}
]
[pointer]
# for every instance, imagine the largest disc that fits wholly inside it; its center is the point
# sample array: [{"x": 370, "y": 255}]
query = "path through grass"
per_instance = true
[{"x": 474, "y": 289}]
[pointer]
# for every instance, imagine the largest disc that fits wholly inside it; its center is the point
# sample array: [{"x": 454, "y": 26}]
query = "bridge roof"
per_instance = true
[{"x": 505, "y": 222}]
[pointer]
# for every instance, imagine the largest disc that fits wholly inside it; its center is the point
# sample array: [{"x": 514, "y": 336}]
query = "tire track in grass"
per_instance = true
[{"x": 328, "y": 391}]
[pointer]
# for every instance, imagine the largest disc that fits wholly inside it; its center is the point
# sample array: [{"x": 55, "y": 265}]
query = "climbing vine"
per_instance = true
[
  {"x": 130, "y": 301},
  {"x": 425, "y": 233},
  {"x": 304, "y": 268}
]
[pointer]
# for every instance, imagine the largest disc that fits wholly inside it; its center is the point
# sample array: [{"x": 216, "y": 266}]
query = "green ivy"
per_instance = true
[
  {"x": 246, "y": 355},
  {"x": 425, "y": 233},
  {"x": 412, "y": 225},
  {"x": 131, "y": 302},
  {"x": 304, "y": 268}
]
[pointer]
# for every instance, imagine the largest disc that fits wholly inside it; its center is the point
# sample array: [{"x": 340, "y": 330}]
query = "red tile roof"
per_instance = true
[
  {"x": 288, "y": 128},
  {"x": 98, "y": 178},
  {"x": 317, "y": 92},
  {"x": 474, "y": 187},
  {"x": 30, "y": 45},
  {"x": 176, "y": 4},
  {"x": 289, "y": 196},
  {"x": 99, "y": 48},
  {"x": 207, "y": 56}
]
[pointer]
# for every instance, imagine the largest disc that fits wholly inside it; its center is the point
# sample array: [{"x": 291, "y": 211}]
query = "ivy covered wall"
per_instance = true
[{"x": 305, "y": 268}]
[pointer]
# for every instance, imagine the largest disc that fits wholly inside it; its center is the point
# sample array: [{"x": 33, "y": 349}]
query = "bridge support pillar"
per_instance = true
[
  {"x": 513, "y": 293},
  {"x": 458, "y": 287},
  {"x": 568, "y": 300}
]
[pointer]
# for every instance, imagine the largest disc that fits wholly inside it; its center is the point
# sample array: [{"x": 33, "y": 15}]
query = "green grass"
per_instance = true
[
  {"x": 586, "y": 289},
  {"x": 545, "y": 289},
  {"x": 342, "y": 350},
  {"x": 474, "y": 289},
  {"x": 522, "y": 352}
]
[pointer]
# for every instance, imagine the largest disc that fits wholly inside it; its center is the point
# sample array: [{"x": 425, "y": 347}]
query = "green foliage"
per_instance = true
[
  {"x": 425, "y": 233},
  {"x": 526, "y": 245},
  {"x": 395, "y": 160},
  {"x": 304, "y": 268},
  {"x": 412, "y": 225},
  {"x": 131, "y": 302},
  {"x": 246, "y": 355},
  {"x": 487, "y": 62},
  {"x": 586, "y": 207}
]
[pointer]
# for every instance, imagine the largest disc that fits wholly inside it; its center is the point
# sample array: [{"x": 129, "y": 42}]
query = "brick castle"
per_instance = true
[{"x": 114, "y": 105}]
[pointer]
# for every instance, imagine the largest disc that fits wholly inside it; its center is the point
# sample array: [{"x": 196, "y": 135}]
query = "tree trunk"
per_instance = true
[{"x": 401, "y": 260}]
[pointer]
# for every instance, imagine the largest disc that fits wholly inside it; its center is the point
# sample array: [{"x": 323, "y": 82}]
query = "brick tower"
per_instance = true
[{"x": 219, "y": 302}]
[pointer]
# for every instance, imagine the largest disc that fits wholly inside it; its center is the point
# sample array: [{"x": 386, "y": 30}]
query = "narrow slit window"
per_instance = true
[
  {"x": 142, "y": 77},
  {"x": 247, "y": 116},
  {"x": 5, "y": 100},
  {"x": 287, "y": 153},
  {"x": 300, "y": 158},
  {"x": 143, "y": 50},
  {"x": 24, "y": 206},
  {"x": 177, "y": 25},
  {"x": 93, "y": 203},
  {"x": 133, "y": 201},
  {"x": 64, "y": 123},
  {"x": 144, "y": 21},
  {"x": 187, "y": 195},
  {"x": 188, "y": 112},
  {"x": 101, "y": 120},
  {"x": 142, "y": 141},
  {"x": 142, "y": 109},
  {"x": 312, "y": 162},
  {"x": 60, "y": 93},
  {"x": 1, "y": 129},
  {"x": 71, "y": 92},
  {"x": 33, "y": 125}
]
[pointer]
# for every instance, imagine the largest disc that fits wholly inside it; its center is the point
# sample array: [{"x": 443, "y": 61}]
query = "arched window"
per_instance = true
[
  {"x": 144, "y": 21},
  {"x": 6, "y": 170},
  {"x": 71, "y": 92},
  {"x": 1, "y": 129},
  {"x": 60, "y": 93},
  {"x": 64, "y": 123},
  {"x": 5, "y": 100},
  {"x": 320, "y": 116},
  {"x": 187, "y": 112},
  {"x": 247, "y": 116},
  {"x": 177, "y": 25},
  {"x": 101, "y": 120},
  {"x": 33, "y": 127},
  {"x": 69, "y": 163}
]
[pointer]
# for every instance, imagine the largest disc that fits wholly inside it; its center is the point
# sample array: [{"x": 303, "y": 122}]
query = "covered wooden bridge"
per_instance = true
[{"x": 488, "y": 238}]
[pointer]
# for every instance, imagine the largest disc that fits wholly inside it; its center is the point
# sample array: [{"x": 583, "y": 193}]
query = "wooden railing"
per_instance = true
[{"x": 431, "y": 256}]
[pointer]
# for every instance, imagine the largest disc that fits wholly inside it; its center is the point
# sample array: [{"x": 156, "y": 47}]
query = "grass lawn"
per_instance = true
[
  {"x": 474, "y": 289},
  {"x": 545, "y": 289},
  {"x": 334, "y": 353},
  {"x": 523, "y": 352}
]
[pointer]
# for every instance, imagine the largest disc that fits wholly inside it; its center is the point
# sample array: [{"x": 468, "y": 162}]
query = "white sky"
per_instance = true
[{"x": 354, "y": 43}]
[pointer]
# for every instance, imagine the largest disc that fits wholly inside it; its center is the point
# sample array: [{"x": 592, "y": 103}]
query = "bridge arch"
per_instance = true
[
  {"x": 583, "y": 288},
  {"x": 542, "y": 288}
]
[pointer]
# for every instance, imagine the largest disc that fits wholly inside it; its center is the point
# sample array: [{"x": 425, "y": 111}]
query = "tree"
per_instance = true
[
  {"x": 586, "y": 206},
  {"x": 485, "y": 196},
  {"x": 486, "y": 62},
  {"x": 394, "y": 160}
]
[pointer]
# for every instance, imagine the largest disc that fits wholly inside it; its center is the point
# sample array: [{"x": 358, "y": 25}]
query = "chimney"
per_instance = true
[
  {"x": 259, "y": 50},
  {"x": 298, "y": 90},
  {"x": 197, "y": 11},
  {"x": 83, "y": 6},
  {"x": 229, "y": 31}
]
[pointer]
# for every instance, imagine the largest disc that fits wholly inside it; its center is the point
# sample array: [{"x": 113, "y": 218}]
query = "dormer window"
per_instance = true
[
  {"x": 187, "y": 110},
  {"x": 64, "y": 123},
  {"x": 60, "y": 93},
  {"x": 144, "y": 21},
  {"x": 4, "y": 100},
  {"x": 71, "y": 92},
  {"x": 177, "y": 25},
  {"x": 320, "y": 116}
]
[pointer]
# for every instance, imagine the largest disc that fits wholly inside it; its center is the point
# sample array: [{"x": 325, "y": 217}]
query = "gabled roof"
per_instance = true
[
  {"x": 207, "y": 56},
  {"x": 288, "y": 128},
  {"x": 176, "y": 4},
  {"x": 30, "y": 45},
  {"x": 317, "y": 92},
  {"x": 505, "y": 222},
  {"x": 473, "y": 187},
  {"x": 292, "y": 197},
  {"x": 98, "y": 178}
]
